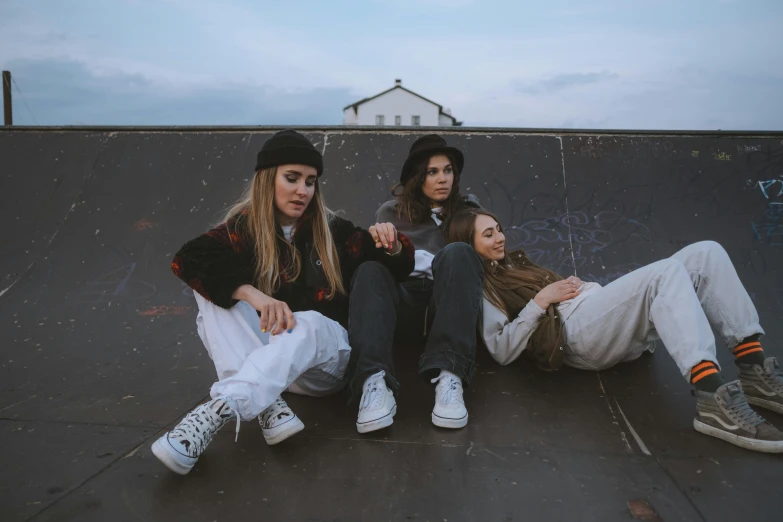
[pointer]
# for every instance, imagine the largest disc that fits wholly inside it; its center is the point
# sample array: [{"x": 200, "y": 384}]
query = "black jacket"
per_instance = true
[{"x": 218, "y": 262}]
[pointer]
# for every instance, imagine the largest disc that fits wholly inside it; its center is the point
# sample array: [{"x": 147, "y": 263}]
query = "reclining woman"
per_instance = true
[
  {"x": 531, "y": 311},
  {"x": 443, "y": 294},
  {"x": 281, "y": 255}
]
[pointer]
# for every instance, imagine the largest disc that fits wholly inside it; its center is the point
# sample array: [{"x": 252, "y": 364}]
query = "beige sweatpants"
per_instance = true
[{"x": 674, "y": 300}]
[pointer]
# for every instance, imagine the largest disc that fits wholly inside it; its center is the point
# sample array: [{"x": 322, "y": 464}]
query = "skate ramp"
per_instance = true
[{"x": 100, "y": 353}]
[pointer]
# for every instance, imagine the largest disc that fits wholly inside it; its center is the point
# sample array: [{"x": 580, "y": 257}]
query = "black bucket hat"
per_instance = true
[{"x": 428, "y": 146}]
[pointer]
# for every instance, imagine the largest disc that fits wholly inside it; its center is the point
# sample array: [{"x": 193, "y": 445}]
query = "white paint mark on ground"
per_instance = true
[
  {"x": 635, "y": 435},
  {"x": 20, "y": 402},
  {"x": 17, "y": 279},
  {"x": 493, "y": 453},
  {"x": 603, "y": 392},
  {"x": 611, "y": 411},
  {"x": 132, "y": 452}
]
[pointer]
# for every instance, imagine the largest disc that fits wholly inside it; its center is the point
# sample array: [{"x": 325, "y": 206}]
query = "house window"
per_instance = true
[
  {"x": 379, "y": 119},
  {"x": 398, "y": 120},
  {"x": 415, "y": 120}
]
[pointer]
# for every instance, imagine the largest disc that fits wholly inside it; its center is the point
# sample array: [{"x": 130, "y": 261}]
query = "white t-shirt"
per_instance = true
[
  {"x": 288, "y": 232},
  {"x": 436, "y": 215},
  {"x": 422, "y": 258}
]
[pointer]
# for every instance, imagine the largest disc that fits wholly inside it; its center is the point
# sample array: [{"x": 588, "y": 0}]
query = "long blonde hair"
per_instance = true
[{"x": 257, "y": 203}]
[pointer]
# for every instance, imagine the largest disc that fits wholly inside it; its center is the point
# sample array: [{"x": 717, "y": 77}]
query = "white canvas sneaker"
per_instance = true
[
  {"x": 278, "y": 422},
  {"x": 377, "y": 407},
  {"x": 180, "y": 448},
  {"x": 449, "y": 410}
]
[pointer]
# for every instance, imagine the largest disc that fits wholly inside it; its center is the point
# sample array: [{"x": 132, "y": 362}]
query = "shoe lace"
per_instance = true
[
  {"x": 372, "y": 397},
  {"x": 742, "y": 413},
  {"x": 189, "y": 429},
  {"x": 449, "y": 389},
  {"x": 274, "y": 410},
  {"x": 233, "y": 405}
]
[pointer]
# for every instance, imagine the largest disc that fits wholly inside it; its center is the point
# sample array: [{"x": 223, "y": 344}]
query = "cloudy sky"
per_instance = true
[{"x": 647, "y": 64}]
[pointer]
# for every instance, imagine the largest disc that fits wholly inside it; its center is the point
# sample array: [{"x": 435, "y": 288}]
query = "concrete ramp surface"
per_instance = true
[{"x": 99, "y": 351}]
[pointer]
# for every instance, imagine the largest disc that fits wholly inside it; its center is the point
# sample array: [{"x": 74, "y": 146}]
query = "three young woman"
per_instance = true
[
  {"x": 272, "y": 282},
  {"x": 531, "y": 311}
]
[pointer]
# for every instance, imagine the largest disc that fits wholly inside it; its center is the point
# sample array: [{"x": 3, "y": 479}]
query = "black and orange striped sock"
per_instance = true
[
  {"x": 749, "y": 351},
  {"x": 705, "y": 376}
]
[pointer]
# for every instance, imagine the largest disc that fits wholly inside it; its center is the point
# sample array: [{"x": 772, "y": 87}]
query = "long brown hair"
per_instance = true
[
  {"x": 412, "y": 204},
  {"x": 511, "y": 282},
  {"x": 258, "y": 205}
]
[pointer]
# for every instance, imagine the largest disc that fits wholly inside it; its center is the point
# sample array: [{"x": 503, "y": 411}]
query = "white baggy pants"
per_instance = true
[
  {"x": 674, "y": 300},
  {"x": 254, "y": 368}
]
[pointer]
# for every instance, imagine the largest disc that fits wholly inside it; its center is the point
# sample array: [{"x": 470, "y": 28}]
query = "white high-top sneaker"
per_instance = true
[
  {"x": 377, "y": 407},
  {"x": 278, "y": 422},
  {"x": 449, "y": 410},
  {"x": 180, "y": 448}
]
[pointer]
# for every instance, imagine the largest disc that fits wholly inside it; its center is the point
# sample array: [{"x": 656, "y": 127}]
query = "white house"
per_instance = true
[{"x": 398, "y": 106}]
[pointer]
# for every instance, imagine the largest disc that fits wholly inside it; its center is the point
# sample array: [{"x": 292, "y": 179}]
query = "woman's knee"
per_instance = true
[
  {"x": 319, "y": 327},
  {"x": 310, "y": 317},
  {"x": 714, "y": 250},
  {"x": 372, "y": 285},
  {"x": 372, "y": 272},
  {"x": 711, "y": 247},
  {"x": 698, "y": 257},
  {"x": 457, "y": 249},
  {"x": 461, "y": 254},
  {"x": 672, "y": 267},
  {"x": 701, "y": 249}
]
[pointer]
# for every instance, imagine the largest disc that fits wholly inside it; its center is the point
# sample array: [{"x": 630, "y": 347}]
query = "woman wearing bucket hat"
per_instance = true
[
  {"x": 440, "y": 301},
  {"x": 271, "y": 285}
]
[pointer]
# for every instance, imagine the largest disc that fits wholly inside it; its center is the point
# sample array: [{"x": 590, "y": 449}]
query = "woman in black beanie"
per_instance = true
[{"x": 271, "y": 283}]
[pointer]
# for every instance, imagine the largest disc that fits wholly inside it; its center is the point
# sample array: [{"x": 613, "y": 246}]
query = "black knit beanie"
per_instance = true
[{"x": 288, "y": 146}]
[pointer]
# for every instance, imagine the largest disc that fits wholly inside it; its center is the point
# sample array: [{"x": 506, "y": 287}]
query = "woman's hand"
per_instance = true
[
  {"x": 558, "y": 292},
  {"x": 273, "y": 312},
  {"x": 385, "y": 235}
]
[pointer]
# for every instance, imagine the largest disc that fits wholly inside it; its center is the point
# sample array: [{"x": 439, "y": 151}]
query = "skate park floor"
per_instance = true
[{"x": 100, "y": 355}]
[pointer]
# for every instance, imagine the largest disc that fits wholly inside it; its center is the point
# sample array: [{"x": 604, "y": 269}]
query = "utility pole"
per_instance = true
[{"x": 9, "y": 118}]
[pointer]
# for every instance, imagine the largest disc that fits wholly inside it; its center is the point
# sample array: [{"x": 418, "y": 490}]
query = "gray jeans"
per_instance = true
[{"x": 674, "y": 300}]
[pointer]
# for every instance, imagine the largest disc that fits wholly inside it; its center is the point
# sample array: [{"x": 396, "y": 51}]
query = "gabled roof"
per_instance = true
[{"x": 355, "y": 106}]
